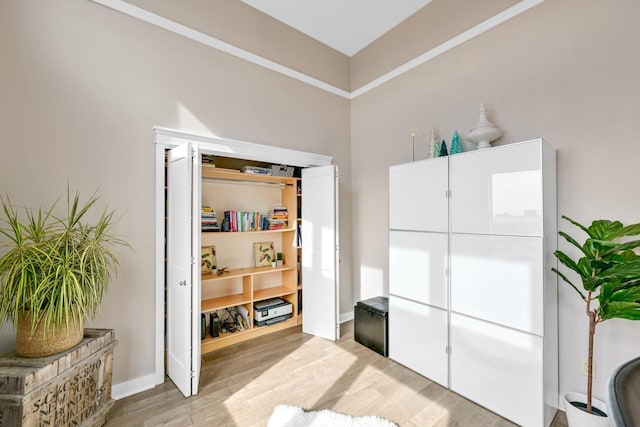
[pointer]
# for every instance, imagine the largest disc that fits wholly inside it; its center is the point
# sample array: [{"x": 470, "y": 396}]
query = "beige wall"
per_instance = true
[
  {"x": 432, "y": 25},
  {"x": 243, "y": 26},
  {"x": 567, "y": 71},
  {"x": 82, "y": 86}
]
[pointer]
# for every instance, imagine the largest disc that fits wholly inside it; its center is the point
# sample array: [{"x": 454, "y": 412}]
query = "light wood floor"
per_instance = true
[{"x": 240, "y": 385}]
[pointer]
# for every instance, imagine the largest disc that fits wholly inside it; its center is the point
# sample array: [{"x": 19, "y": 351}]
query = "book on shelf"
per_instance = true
[
  {"x": 208, "y": 219},
  {"x": 240, "y": 221},
  {"x": 278, "y": 218}
]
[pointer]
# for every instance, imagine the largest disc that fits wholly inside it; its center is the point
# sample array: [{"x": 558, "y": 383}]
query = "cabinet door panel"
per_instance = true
[
  {"x": 417, "y": 266},
  {"x": 320, "y": 252},
  {"x": 499, "y": 368},
  {"x": 418, "y": 338},
  {"x": 498, "y": 191},
  {"x": 417, "y": 196},
  {"x": 498, "y": 278}
]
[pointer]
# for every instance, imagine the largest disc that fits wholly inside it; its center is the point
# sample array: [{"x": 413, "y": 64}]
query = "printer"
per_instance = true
[{"x": 270, "y": 311}]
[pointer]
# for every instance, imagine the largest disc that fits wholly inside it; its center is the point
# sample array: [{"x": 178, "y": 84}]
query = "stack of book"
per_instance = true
[
  {"x": 208, "y": 218},
  {"x": 245, "y": 221},
  {"x": 278, "y": 218}
]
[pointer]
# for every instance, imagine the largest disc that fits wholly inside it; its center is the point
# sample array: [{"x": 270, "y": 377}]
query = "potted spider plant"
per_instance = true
[
  {"x": 609, "y": 270},
  {"x": 53, "y": 272}
]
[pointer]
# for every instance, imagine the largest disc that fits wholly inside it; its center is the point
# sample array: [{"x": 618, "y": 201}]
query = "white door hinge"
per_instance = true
[{"x": 193, "y": 374}]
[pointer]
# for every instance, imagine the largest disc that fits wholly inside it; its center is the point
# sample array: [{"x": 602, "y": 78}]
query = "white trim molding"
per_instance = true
[
  {"x": 226, "y": 147},
  {"x": 345, "y": 317},
  {"x": 200, "y": 37},
  {"x": 136, "y": 385},
  {"x": 482, "y": 27}
]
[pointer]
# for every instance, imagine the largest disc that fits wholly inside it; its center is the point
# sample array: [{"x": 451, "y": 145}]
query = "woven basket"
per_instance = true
[{"x": 55, "y": 341}]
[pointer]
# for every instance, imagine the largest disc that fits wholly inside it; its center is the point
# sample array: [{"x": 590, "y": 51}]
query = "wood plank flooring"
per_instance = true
[{"x": 240, "y": 385}]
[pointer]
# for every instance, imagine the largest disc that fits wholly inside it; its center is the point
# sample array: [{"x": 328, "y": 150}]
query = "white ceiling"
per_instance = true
[{"x": 345, "y": 25}]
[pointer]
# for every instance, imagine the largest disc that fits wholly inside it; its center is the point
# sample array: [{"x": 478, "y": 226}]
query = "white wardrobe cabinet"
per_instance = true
[
  {"x": 497, "y": 278},
  {"x": 498, "y": 368},
  {"x": 500, "y": 296},
  {"x": 413, "y": 343},
  {"x": 498, "y": 191},
  {"x": 418, "y": 264},
  {"x": 417, "y": 196}
]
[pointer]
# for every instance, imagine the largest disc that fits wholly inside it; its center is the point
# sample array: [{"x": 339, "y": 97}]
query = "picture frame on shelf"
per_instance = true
[
  {"x": 263, "y": 253},
  {"x": 208, "y": 260}
]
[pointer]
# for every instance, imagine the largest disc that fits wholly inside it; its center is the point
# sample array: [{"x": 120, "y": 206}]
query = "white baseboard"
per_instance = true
[
  {"x": 345, "y": 317},
  {"x": 128, "y": 388}
]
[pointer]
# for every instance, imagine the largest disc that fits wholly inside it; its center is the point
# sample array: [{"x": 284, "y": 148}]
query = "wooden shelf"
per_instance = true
[
  {"x": 284, "y": 230},
  {"x": 223, "y": 302},
  {"x": 241, "y": 272},
  {"x": 267, "y": 293},
  {"x": 242, "y": 282},
  {"x": 210, "y": 344},
  {"x": 232, "y": 175}
]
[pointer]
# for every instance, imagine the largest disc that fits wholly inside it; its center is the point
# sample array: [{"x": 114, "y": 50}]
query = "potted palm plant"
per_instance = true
[
  {"x": 609, "y": 270},
  {"x": 53, "y": 272}
]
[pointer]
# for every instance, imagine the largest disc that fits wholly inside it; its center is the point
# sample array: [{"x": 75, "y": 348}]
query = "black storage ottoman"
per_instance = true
[{"x": 371, "y": 324}]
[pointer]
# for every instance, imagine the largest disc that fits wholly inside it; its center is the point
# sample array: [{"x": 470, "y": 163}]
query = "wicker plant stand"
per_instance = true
[{"x": 72, "y": 388}]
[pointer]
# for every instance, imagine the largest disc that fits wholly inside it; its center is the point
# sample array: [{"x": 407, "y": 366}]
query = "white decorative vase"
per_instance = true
[
  {"x": 577, "y": 417},
  {"x": 485, "y": 131}
]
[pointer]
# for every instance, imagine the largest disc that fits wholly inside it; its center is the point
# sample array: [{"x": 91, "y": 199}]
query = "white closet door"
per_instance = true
[
  {"x": 499, "y": 279},
  {"x": 499, "y": 368},
  {"x": 183, "y": 274},
  {"x": 417, "y": 266},
  {"x": 418, "y": 338},
  {"x": 498, "y": 191},
  {"x": 418, "y": 196},
  {"x": 320, "y": 296}
]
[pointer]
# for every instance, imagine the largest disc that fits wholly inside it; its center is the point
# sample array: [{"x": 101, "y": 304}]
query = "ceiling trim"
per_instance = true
[
  {"x": 190, "y": 33},
  {"x": 226, "y": 147},
  {"x": 180, "y": 29},
  {"x": 482, "y": 27}
]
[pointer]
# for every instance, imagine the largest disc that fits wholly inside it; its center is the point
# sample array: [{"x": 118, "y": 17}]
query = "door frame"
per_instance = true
[{"x": 165, "y": 138}]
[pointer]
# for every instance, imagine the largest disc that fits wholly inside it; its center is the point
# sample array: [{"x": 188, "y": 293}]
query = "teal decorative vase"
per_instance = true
[{"x": 456, "y": 146}]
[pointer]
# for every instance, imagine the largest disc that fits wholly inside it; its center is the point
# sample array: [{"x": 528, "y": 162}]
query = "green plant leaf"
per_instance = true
[
  {"x": 603, "y": 229},
  {"x": 577, "y": 224},
  {"x": 555, "y": 270},
  {"x": 600, "y": 245},
  {"x": 623, "y": 272},
  {"x": 630, "y": 230},
  {"x": 622, "y": 247},
  {"x": 585, "y": 268},
  {"x": 621, "y": 309},
  {"x": 572, "y": 241},
  {"x": 566, "y": 261}
]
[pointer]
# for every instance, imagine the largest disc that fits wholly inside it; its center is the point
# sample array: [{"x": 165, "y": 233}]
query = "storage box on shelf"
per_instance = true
[{"x": 243, "y": 284}]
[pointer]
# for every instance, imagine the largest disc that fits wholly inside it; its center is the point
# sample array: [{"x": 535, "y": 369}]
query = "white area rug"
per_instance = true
[{"x": 293, "y": 416}]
